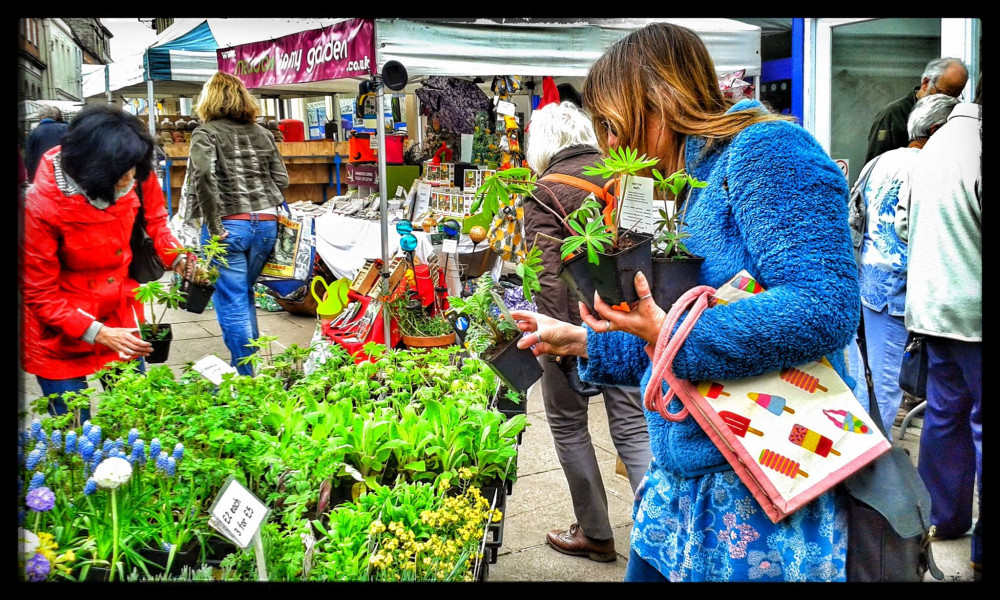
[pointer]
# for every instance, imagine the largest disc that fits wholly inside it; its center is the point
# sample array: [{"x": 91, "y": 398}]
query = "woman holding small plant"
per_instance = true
[
  {"x": 561, "y": 140},
  {"x": 775, "y": 205},
  {"x": 77, "y": 296},
  {"x": 234, "y": 188}
]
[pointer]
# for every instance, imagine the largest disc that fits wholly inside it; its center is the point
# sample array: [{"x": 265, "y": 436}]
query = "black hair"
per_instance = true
[
  {"x": 568, "y": 93},
  {"x": 101, "y": 144}
]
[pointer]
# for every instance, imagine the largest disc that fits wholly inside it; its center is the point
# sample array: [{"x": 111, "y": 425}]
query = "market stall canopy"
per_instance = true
[
  {"x": 183, "y": 57},
  {"x": 562, "y": 48}
]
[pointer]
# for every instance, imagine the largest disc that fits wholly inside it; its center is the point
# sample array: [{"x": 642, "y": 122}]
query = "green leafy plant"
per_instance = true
[
  {"x": 417, "y": 322},
  {"x": 596, "y": 228},
  {"x": 150, "y": 294},
  {"x": 487, "y": 326},
  {"x": 207, "y": 260},
  {"x": 669, "y": 238}
]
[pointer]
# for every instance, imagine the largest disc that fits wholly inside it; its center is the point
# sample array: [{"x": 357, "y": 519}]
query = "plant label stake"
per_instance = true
[
  {"x": 237, "y": 514},
  {"x": 637, "y": 205},
  {"x": 503, "y": 308}
]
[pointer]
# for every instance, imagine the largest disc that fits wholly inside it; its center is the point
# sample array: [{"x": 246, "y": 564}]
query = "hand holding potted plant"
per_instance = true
[
  {"x": 155, "y": 331},
  {"x": 601, "y": 257},
  {"x": 198, "y": 283},
  {"x": 492, "y": 335}
]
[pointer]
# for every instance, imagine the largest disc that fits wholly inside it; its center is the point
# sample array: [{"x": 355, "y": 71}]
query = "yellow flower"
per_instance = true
[{"x": 465, "y": 473}]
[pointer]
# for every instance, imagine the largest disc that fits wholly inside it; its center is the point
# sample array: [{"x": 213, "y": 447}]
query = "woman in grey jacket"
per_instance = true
[{"x": 235, "y": 181}]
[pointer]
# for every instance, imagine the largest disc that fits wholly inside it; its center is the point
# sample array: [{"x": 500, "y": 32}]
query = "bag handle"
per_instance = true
[{"x": 668, "y": 344}]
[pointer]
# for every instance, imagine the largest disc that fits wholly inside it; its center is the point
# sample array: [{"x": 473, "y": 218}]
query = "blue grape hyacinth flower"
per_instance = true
[
  {"x": 139, "y": 452},
  {"x": 95, "y": 435},
  {"x": 90, "y": 487},
  {"x": 178, "y": 451},
  {"x": 97, "y": 458},
  {"x": 34, "y": 457},
  {"x": 86, "y": 427},
  {"x": 70, "y": 442},
  {"x": 171, "y": 466},
  {"x": 133, "y": 435},
  {"x": 161, "y": 460},
  {"x": 108, "y": 445},
  {"x": 56, "y": 439},
  {"x": 37, "y": 481},
  {"x": 119, "y": 444},
  {"x": 36, "y": 427},
  {"x": 86, "y": 448},
  {"x": 42, "y": 437}
]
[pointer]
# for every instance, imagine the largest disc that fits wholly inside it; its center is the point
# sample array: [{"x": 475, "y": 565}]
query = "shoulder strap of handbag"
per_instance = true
[
  {"x": 140, "y": 217},
  {"x": 873, "y": 411},
  {"x": 602, "y": 193}
]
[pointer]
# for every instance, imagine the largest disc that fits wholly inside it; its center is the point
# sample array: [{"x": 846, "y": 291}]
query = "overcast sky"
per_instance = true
[{"x": 130, "y": 36}]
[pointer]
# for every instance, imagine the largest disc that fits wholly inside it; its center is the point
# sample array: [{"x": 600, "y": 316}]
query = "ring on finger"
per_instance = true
[
  {"x": 538, "y": 334},
  {"x": 607, "y": 325},
  {"x": 649, "y": 295}
]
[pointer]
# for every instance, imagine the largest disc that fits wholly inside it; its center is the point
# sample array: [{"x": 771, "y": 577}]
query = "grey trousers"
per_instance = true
[{"x": 566, "y": 412}]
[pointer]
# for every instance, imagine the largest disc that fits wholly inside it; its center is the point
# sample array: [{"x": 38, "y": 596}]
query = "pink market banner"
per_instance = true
[{"x": 342, "y": 50}]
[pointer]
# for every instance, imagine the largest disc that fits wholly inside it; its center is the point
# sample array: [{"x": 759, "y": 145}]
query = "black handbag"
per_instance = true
[
  {"x": 145, "y": 265},
  {"x": 568, "y": 365},
  {"x": 889, "y": 512},
  {"x": 913, "y": 370}
]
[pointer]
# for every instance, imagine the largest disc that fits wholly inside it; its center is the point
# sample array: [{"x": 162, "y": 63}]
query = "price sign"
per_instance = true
[
  {"x": 449, "y": 246},
  {"x": 237, "y": 514},
  {"x": 213, "y": 368},
  {"x": 506, "y": 108}
]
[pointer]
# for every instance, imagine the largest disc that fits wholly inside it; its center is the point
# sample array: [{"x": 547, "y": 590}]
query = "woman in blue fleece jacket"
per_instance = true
[{"x": 775, "y": 205}]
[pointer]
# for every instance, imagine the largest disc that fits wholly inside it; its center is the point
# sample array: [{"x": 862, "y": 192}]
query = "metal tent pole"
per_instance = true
[{"x": 383, "y": 203}]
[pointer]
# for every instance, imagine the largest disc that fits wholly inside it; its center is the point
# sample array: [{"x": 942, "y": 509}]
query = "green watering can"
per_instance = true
[{"x": 334, "y": 297}]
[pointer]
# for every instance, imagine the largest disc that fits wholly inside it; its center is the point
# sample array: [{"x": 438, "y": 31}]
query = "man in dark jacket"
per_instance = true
[
  {"x": 561, "y": 140},
  {"x": 48, "y": 134},
  {"x": 888, "y": 131}
]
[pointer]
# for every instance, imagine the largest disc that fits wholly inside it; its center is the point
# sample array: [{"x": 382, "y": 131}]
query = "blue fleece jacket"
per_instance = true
[{"x": 775, "y": 205}]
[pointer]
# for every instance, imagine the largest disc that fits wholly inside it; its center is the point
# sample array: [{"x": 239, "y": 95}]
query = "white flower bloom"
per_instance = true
[
  {"x": 29, "y": 542},
  {"x": 112, "y": 472}
]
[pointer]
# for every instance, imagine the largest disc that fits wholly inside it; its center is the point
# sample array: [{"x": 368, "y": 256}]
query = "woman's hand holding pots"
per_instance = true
[{"x": 644, "y": 321}]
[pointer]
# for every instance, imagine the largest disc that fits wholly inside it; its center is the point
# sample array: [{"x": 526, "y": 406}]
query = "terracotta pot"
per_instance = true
[{"x": 437, "y": 341}]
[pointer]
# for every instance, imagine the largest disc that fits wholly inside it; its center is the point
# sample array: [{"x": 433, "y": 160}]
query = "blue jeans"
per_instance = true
[
  {"x": 249, "y": 243},
  {"x": 640, "y": 571},
  {"x": 885, "y": 336},
  {"x": 951, "y": 442}
]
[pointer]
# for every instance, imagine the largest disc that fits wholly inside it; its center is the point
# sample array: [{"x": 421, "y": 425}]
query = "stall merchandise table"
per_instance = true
[{"x": 345, "y": 243}]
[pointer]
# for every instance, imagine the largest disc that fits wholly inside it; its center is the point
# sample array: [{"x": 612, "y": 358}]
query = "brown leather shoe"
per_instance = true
[{"x": 574, "y": 543}]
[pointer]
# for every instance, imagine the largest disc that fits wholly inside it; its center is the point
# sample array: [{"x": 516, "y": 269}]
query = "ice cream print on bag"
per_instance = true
[{"x": 793, "y": 431}]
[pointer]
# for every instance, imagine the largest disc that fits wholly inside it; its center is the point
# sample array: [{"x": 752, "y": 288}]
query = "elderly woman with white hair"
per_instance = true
[
  {"x": 882, "y": 264},
  {"x": 561, "y": 140}
]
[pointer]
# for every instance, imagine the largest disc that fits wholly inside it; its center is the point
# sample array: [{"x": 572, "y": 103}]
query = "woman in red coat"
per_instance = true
[{"x": 79, "y": 308}]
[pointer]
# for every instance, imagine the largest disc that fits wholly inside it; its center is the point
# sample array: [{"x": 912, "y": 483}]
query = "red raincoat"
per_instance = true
[{"x": 74, "y": 270}]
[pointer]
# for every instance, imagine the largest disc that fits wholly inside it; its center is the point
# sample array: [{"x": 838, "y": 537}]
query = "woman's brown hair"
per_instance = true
[
  {"x": 224, "y": 95},
  {"x": 661, "y": 70}
]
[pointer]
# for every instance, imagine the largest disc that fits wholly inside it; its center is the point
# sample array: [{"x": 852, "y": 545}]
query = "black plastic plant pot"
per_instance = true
[
  {"x": 161, "y": 345},
  {"x": 674, "y": 276},
  {"x": 517, "y": 368},
  {"x": 196, "y": 296},
  {"x": 216, "y": 550},
  {"x": 614, "y": 275},
  {"x": 185, "y": 558}
]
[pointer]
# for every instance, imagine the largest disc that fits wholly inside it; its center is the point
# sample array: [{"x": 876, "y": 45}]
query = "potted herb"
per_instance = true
[
  {"x": 675, "y": 268},
  {"x": 155, "y": 331},
  {"x": 419, "y": 327},
  {"x": 198, "y": 283},
  {"x": 492, "y": 335},
  {"x": 601, "y": 257}
]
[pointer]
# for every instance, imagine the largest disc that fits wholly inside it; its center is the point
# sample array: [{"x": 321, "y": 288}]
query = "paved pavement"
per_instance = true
[{"x": 540, "y": 499}]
